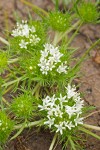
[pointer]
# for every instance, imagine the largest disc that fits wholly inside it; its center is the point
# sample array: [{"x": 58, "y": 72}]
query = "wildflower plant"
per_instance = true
[
  {"x": 6, "y": 127},
  {"x": 49, "y": 60},
  {"x": 22, "y": 106},
  {"x": 63, "y": 112},
  {"x": 87, "y": 8},
  {"x": 40, "y": 76},
  {"x": 28, "y": 36},
  {"x": 59, "y": 21}
]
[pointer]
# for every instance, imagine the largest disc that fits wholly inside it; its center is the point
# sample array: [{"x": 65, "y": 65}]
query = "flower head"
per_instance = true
[
  {"x": 88, "y": 12},
  {"x": 23, "y": 44},
  {"x": 63, "y": 112},
  {"x": 62, "y": 68},
  {"x": 22, "y": 106},
  {"x": 49, "y": 60},
  {"x": 60, "y": 127},
  {"x": 59, "y": 21},
  {"x": 27, "y": 34},
  {"x": 70, "y": 91}
]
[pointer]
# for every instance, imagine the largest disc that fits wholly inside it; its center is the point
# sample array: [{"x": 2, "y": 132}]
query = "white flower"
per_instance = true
[
  {"x": 66, "y": 124},
  {"x": 51, "y": 111},
  {"x": 49, "y": 101},
  {"x": 32, "y": 29},
  {"x": 21, "y": 30},
  {"x": 59, "y": 110},
  {"x": 54, "y": 51},
  {"x": 70, "y": 110},
  {"x": 60, "y": 127},
  {"x": 69, "y": 125},
  {"x": 23, "y": 44},
  {"x": 42, "y": 107},
  {"x": 78, "y": 120},
  {"x": 15, "y": 33},
  {"x": 62, "y": 100},
  {"x": 53, "y": 99},
  {"x": 50, "y": 122},
  {"x": 34, "y": 39},
  {"x": 76, "y": 96},
  {"x": 70, "y": 91},
  {"x": 79, "y": 105},
  {"x": 24, "y": 30},
  {"x": 44, "y": 54},
  {"x": 57, "y": 56},
  {"x": 50, "y": 56},
  {"x": 62, "y": 69}
]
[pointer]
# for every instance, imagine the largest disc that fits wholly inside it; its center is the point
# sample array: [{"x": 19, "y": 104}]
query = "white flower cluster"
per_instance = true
[
  {"x": 63, "y": 112},
  {"x": 27, "y": 33},
  {"x": 50, "y": 57}
]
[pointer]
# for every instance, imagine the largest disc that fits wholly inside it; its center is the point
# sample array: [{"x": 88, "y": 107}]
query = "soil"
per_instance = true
[{"x": 89, "y": 81}]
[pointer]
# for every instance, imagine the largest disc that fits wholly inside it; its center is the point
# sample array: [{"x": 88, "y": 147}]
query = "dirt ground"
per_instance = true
[{"x": 90, "y": 70}]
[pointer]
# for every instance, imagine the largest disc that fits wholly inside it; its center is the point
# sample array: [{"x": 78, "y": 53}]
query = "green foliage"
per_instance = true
[
  {"x": 3, "y": 61},
  {"x": 28, "y": 64},
  {"x": 88, "y": 12},
  {"x": 6, "y": 127},
  {"x": 22, "y": 106},
  {"x": 40, "y": 61},
  {"x": 59, "y": 21}
]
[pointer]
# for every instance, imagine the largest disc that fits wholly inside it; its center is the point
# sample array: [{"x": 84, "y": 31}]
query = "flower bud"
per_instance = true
[{"x": 59, "y": 21}]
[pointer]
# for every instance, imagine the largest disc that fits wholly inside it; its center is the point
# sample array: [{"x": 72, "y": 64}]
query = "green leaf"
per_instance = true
[
  {"x": 89, "y": 132},
  {"x": 19, "y": 131},
  {"x": 88, "y": 108},
  {"x": 72, "y": 143}
]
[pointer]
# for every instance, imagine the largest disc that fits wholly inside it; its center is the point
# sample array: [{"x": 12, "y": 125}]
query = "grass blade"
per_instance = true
[{"x": 89, "y": 132}]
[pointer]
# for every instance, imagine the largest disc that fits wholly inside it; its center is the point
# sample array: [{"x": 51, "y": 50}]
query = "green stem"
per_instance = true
[
  {"x": 11, "y": 82},
  {"x": 91, "y": 127},
  {"x": 74, "y": 34},
  {"x": 30, "y": 124},
  {"x": 4, "y": 41},
  {"x": 53, "y": 142},
  {"x": 3, "y": 99},
  {"x": 68, "y": 31},
  {"x": 37, "y": 93},
  {"x": 8, "y": 89},
  {"x": 57, "y": 35},
  {"x": 92, "y": 46},
  {"x": 19, "y": 131},
  {"x": 72, "y": 143},
  {"x": 47, "y": 91},
  {"x": 89, "y": 132},
  {"x": 13, "y": 60},
  {"x": 36, "y": 88}
]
